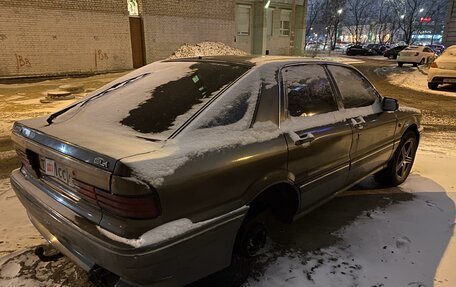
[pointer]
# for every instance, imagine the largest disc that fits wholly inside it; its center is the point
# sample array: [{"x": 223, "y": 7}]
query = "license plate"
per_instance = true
[
  {"x": 54, "y": 169},
  {"x": 449, "y": 80}
]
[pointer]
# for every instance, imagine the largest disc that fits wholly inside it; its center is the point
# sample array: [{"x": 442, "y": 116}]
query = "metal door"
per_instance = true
[
  {"x": 137, "y": 42},
  {"x": 318, "y": 137}
]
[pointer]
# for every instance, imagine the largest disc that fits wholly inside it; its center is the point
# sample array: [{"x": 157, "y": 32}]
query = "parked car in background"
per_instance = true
[
  {"x": 443, "y": 69},
  {"x": 379, "y": 49},
  {"x": 392, "y": 53},
  {"x": 438, "y": 48},
  {"x": 344, "y": 46},
  {"x": 415, "y": 55},
  {"x": 161, "y": 177},
  {"x": 356, "y": 50}
]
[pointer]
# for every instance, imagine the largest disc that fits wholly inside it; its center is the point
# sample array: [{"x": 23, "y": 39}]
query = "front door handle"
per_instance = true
[
  {"x": 358, "y": 122},
  {"x": 302, "y": 139}
]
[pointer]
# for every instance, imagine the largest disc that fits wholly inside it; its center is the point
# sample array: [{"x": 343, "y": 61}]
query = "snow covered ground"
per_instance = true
[
  {"x": 408, "y": 242},
  {"x": 415, "y": 79}
]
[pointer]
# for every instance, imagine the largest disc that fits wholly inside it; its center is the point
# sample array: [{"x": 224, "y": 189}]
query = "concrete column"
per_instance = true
[
  {"x": 259, "y": 33},
  {"x": 299, "y": 30}
]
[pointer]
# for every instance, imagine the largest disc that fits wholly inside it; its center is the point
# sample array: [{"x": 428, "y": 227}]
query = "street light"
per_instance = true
[
  {"x": 421, "y": 10},
  {"x": 339, "y": 11},
  {"x": 402, "y": 16}
]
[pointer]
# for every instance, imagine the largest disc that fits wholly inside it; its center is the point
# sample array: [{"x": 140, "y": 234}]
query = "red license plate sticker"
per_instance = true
[{"x": 49, "y": 167}]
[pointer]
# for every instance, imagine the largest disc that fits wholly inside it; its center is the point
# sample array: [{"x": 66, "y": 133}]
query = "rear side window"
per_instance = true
[
  {"x": 355, "y": 90},
  {"x": 308, "y": 90}
]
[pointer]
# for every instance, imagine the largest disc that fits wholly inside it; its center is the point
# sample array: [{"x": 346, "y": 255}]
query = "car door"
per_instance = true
[
  {"x": 318, "y": 138},
  {"x": 373, "y": 128}
]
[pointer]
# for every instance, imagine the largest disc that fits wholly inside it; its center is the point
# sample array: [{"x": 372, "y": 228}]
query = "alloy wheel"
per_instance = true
[{"x": 405, "y": 159}]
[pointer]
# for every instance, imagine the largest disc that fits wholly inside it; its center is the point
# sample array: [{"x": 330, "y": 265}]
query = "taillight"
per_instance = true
[
  {"x": 434, "y": 65},
  {"x": 139, "y": 206},
  {"x": 24, "y": 159}
]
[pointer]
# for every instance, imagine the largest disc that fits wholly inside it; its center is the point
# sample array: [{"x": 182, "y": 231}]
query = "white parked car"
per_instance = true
[
  {"x": 416, "y": 55},
  {"x": 443, "y": 69}
]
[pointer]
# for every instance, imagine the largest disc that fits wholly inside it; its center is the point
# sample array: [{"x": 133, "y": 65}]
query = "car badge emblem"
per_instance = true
[{"x": 101, "y": 162}]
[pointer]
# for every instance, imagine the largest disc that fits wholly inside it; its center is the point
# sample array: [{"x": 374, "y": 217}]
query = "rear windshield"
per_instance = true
[
  {"x": 162, "y": 99},
  {"x": 176, "y": 97}
]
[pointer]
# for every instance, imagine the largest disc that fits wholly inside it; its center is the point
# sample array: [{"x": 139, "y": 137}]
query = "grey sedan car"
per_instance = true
[{"x": 160, "y": 177}]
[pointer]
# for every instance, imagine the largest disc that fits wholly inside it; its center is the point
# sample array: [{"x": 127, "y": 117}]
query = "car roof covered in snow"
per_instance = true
[{"x": 261, "y": 60}]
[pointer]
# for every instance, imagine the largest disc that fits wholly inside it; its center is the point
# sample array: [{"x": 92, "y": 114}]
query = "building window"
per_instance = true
[
  {"x": 132, "y": 7},
  {"x": 285, "y": 16},
  {"x": 242, "y": 20}
]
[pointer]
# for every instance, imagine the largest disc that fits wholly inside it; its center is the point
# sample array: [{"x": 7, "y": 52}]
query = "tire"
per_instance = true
[
  {"x": 433, "y": 86},
  {"x": 232, "y": 276},
  {"x": 251, "y": 237},
  {"x": 400, "y": 64},
  {"x": 415, "y": 65},
  {"x": 401, "y": 163},
  {"x": 391, "y": 57}
]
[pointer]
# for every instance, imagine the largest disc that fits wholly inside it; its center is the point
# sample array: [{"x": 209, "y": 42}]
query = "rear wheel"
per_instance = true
[
  {"x": 401, "y": 164},
  {"x": 400, "y": 64},
  {"x": 433, "y": 86},
  {"x": 390, "y": 57},
  {"x": 252, "y": 236}
]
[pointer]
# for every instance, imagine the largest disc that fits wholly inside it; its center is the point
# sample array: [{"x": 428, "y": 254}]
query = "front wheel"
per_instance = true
[
  {"x": 400, "y": 64},
  {"x": 401, "y": 164}
]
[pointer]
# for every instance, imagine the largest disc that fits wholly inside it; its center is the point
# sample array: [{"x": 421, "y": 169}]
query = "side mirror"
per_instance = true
[{"x": 390, "y": 104}]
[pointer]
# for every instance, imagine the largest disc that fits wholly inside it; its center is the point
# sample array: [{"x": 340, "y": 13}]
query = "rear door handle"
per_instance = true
[
  {"x": 302, "y": 139},
  {"x": 358, "y": 122}
]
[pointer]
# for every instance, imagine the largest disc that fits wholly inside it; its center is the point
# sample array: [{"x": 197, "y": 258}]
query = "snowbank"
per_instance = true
[
  {"x": 415, "y": 79},
  {"x": 206, "y": 49}
]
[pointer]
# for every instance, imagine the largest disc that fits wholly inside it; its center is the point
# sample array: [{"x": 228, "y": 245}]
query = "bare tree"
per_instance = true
[
  {"x": 313, "y": 12},
  {"x": 358, "y": 15}
]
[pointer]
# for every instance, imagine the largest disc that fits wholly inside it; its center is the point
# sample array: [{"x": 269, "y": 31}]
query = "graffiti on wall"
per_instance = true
[
  {"x": 22, "y": 62},
  {"x": 100, "y": 56}
]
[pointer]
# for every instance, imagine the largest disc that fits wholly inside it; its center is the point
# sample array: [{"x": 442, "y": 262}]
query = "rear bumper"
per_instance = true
[
  {"x": 440, "y": 76},
  {"x": 174, "y": 262}
]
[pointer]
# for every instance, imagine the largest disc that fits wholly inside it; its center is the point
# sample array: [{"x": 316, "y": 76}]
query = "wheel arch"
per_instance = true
[
  {"x": 414, "y": 128},
  {"x": 282, "y": 198}
]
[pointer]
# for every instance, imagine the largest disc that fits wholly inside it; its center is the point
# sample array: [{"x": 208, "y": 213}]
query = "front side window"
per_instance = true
[
  {"x": 309, "y": 91},
  {"x": 355, "y": 90}
]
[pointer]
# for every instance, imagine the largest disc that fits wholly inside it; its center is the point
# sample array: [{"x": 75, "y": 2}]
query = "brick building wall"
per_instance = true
[
  {"x": 44, "y": 37},
  {"x": 169, "y": 24}
]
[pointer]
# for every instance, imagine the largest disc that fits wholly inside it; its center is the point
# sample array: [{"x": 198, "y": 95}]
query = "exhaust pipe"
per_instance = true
[{"x": 47, "y": 253}]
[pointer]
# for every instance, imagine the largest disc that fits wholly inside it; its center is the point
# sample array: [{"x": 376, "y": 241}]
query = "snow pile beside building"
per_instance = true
[{"x": 206, "y": 49}]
